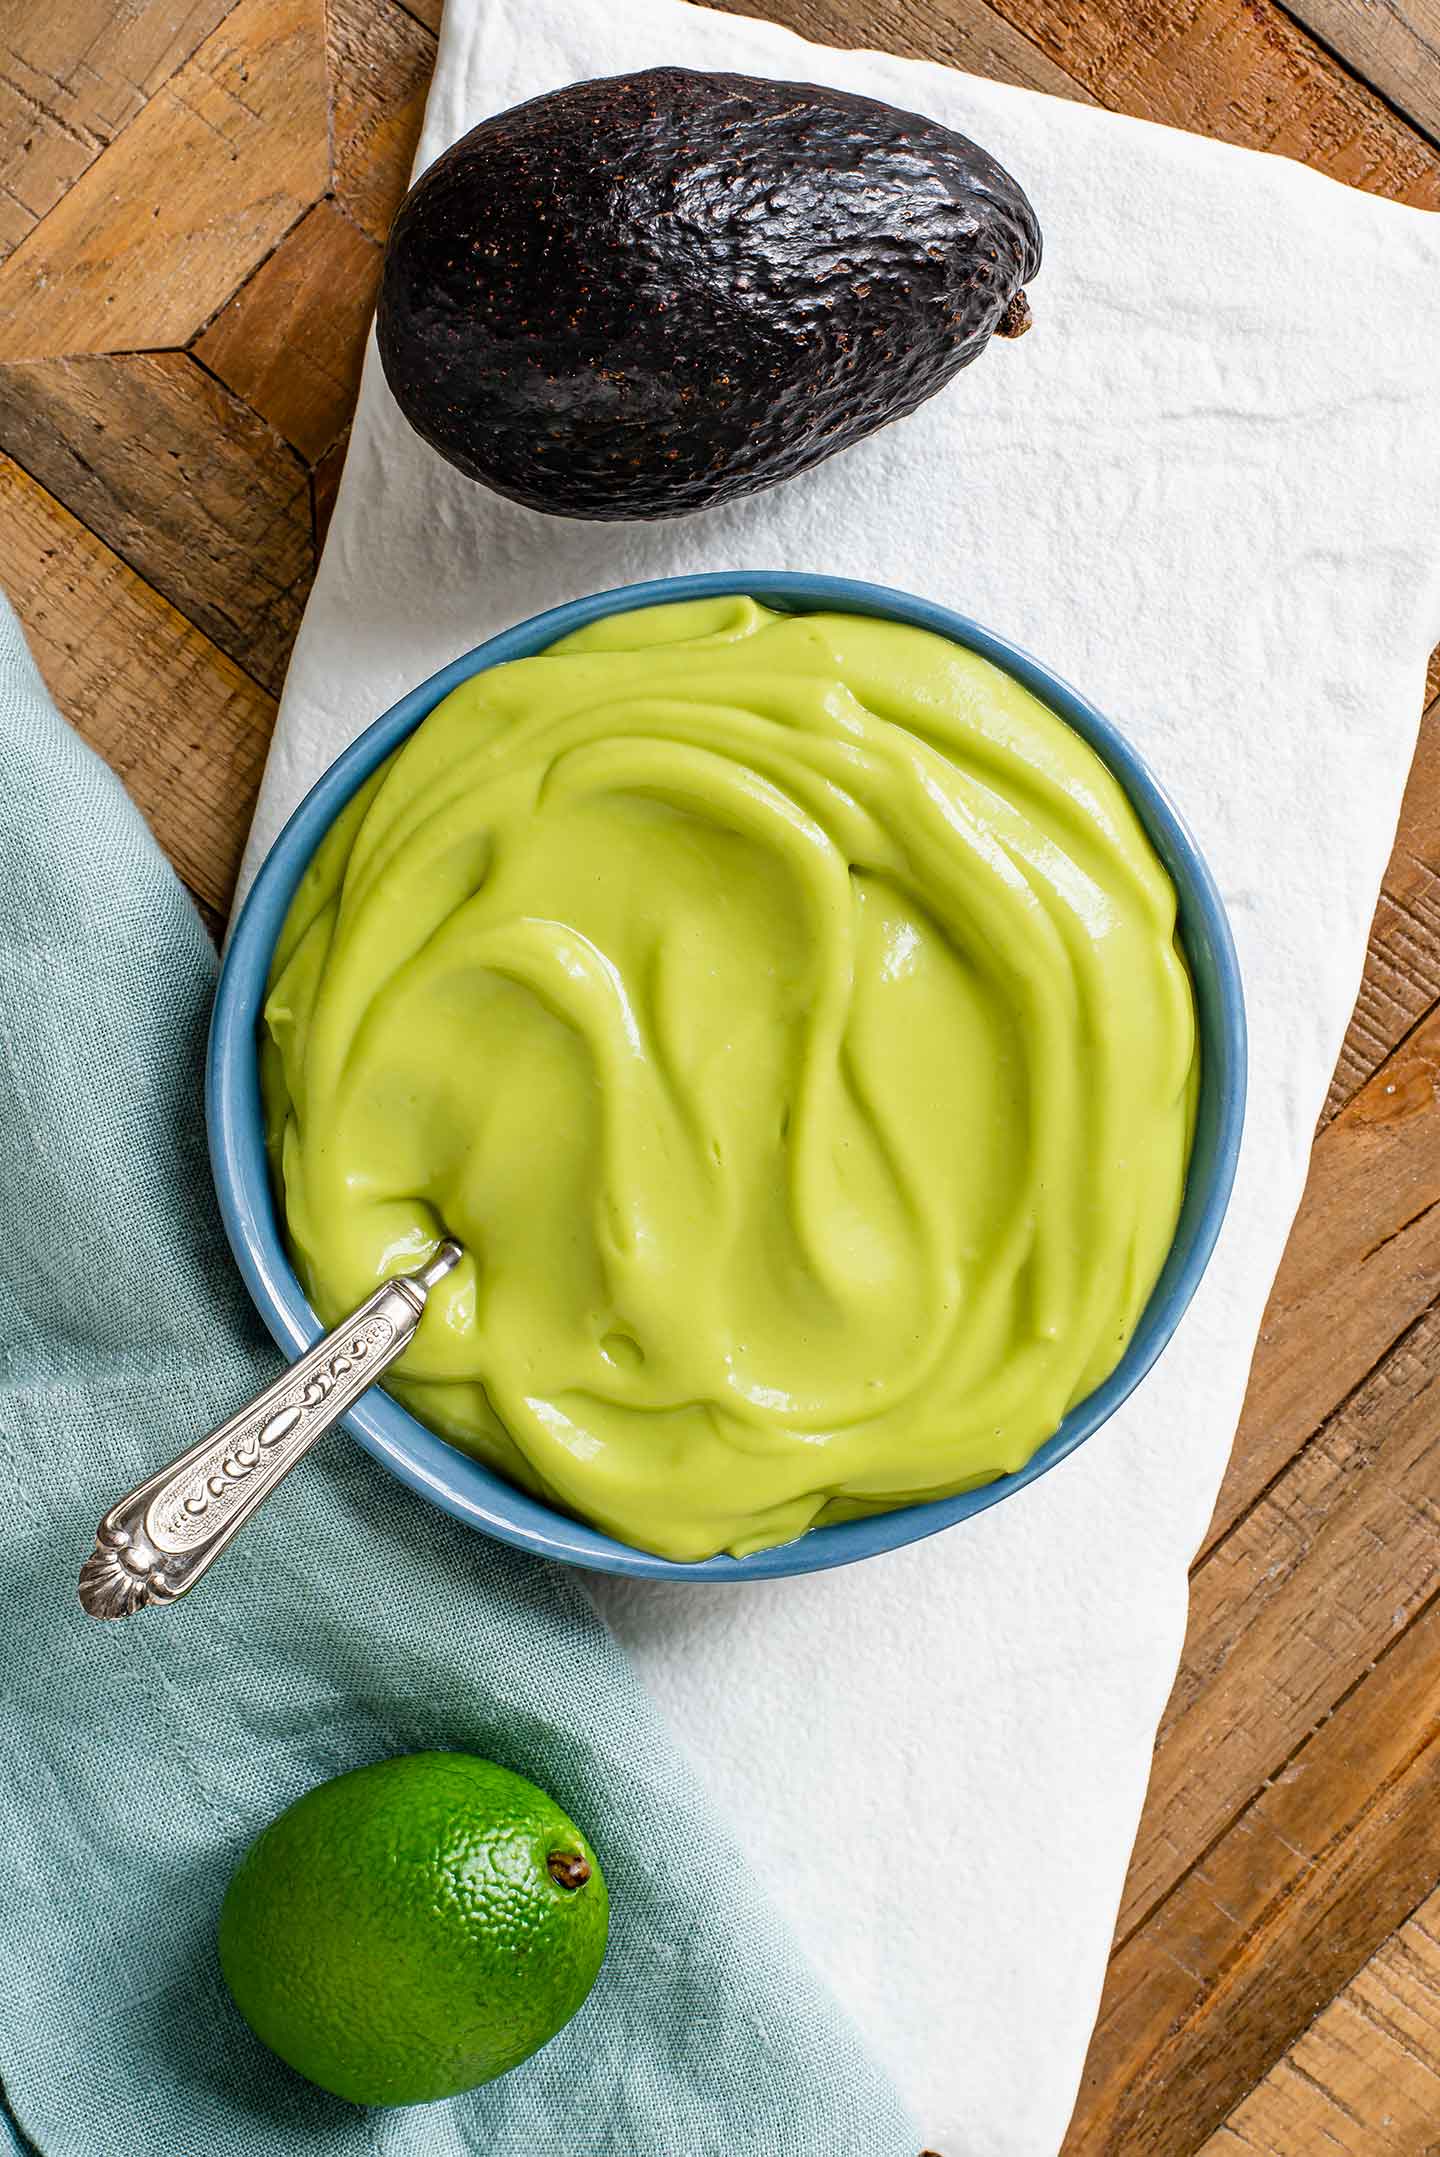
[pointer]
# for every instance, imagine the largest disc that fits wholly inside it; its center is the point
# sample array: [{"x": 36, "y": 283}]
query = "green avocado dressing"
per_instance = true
[{"x": 785, "y": 1014}]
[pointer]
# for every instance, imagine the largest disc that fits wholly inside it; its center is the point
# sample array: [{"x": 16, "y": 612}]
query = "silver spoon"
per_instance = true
[{"x": 156, "y": 1541}]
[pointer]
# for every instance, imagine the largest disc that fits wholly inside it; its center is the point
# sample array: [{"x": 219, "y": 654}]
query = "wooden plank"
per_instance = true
[
  {"x": 324, "y": 486},
  {"x": 1363, "y": 2080},
  {"x": 15, "y": 220},
  {"x": 72, "y": 74},
  {"x": 180, "y": 723},
  {"x": 93, "y": 64},
  {"x": 1292, "y": 1607},
  {"x": 1402, "y": 966},
  {"x": 380, "y": 62},
  {"x": 1293, "y": 1898},
  {"x": 1394, "y": 44},
  {"x": 1362, "y": 1263},
  {"x": 973, "y": 36},
  {"x": 155, "y": 235},
  {"x": 184, "y": 483},
  {"x": 292, "y": 339},
  {"x": 1238, "y": 69},
  {"x": 40, "y": 157}
]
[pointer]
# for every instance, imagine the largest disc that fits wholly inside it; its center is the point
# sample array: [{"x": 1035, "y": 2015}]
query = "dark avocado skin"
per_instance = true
[{"x": 644, "y": 295}]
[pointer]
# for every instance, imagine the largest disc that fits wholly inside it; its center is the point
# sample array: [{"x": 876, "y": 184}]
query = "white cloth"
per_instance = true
[{"x": 1205, "y": 488}]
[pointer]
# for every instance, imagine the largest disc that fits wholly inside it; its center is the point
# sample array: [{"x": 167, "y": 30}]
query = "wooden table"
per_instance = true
[{"x": 193, "y": 196}]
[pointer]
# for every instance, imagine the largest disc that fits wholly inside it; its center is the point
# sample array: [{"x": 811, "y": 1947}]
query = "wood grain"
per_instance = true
[
  {"x": 324, "y": 486},
  {"x": 1291, "y": 1608},
  {"x": 1242, "y": 70},
  {"x": 1362, "y": 1188},
  {"x": 182, "y": 481},
  {"x": 1323, "y": 1558},
  {"x": 180, "y": 723},
  {"x": 380, "y": 61},
  {"x": 1364, "y": 2079},
  {"x": 1362, "y": 1263},
  {"x": 155, "y": 235},
  {"x": 974, "y": 36},
  {"x": 72, "y": 74},
  {"x": 291, "y": 341},
  {"x": 1394, "y": 44},
  {"x": 1402, "y": 967},
  {"x": 1285, "y": 1907}
]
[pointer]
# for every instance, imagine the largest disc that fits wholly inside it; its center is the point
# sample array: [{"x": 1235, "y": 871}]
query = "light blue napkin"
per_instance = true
[{"x": 350, "y": 1622}]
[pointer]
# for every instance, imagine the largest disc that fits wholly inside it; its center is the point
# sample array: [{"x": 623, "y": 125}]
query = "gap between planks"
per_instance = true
[
  {"x": 1394, "y": 48},
  {"x": 1327, "y": 1861},
  {"x": 1294, "y": 1639},
  {"x": 1364, "y": 2079}
]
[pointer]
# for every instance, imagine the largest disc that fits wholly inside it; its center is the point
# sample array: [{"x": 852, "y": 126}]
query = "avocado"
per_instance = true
[{"x": 643, "y": 295}]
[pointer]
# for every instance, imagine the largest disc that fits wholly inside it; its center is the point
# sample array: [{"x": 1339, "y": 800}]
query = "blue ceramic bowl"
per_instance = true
[{"x": 461, "y": 1485}]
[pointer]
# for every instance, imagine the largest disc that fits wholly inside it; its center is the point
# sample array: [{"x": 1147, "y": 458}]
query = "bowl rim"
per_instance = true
[{"x": 461, "y": 1485}]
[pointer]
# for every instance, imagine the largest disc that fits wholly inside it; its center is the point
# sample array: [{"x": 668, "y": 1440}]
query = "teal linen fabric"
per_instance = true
[{"x": 350, "y": 1622}]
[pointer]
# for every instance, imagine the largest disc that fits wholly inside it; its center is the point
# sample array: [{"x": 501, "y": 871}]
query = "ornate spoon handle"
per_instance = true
[{"x": 156, "y": 1541}]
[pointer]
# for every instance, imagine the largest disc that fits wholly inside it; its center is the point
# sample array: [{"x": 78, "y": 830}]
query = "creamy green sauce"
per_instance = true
[{"x": 786, "y": 1016}]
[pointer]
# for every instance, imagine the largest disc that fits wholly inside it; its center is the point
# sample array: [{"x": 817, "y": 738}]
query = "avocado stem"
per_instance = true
[
  {"x": 567, "y": 1868},
  {"x": 1016, "y": 319}
]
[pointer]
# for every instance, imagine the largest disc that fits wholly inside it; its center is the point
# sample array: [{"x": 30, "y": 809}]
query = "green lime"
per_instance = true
[{"x": 414, "y": 1928}]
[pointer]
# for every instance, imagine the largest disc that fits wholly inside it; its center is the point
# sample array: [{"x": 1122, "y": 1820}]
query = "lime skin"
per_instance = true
[{"x": 414, "y": 1928}]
